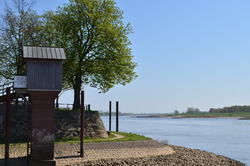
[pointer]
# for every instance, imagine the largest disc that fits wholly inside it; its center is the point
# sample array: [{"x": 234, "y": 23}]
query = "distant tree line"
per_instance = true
[
  {"x": 231, "y": 109},
  {"x": 191, "y": 110}
]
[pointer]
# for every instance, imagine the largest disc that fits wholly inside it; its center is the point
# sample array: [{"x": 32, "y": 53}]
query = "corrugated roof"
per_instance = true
[{"x": 43, "y": 53}]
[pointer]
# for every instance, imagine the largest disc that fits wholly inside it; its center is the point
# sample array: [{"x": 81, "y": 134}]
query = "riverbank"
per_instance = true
[
  {"x": 217, "y": 117},
  {"x": 141, "y": 152},
  {"x": 238, "y": 115},
  {"x": 146, "y": 153},
  {"x": 181, "y": 157}
]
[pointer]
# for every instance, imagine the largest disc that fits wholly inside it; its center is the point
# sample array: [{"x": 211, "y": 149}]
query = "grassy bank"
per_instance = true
[
  {"x": 235, "y": 114},
  {"x": 111, "y": 138},
  {"x": 126, "y": 137}
]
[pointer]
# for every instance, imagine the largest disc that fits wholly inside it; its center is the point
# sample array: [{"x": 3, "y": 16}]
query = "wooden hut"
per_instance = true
[
  {"x": 44, "y": 76},
  {"x": 44, "y": 67}
]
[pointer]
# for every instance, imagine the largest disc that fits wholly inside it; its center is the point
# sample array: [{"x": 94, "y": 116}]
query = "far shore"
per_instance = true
[{"x": 190, "y": 116}]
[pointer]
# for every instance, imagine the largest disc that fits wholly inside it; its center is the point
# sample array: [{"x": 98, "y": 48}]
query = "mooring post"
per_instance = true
[
  {"x": 110, "y": 114},
  {"x": 117, "y": 116},
  {"x": 82, "y": 125},
  {"x": 7, "y": 129}
]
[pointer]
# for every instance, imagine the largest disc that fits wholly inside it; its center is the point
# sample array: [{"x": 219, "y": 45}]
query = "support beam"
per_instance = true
[
  {"x": 110, "y": 115},
  {"x": 42, "y": 137},
  {"x": 57, "y": 102},
  {"x": 117, "y": 116},
  {"x": 82, "y": 125},
  {"x": 7, "y": 129}
]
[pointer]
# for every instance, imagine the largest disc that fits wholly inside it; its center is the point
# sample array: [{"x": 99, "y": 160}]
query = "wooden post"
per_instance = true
[
  {"x": 82, "y": 126},
  {"x": 117, "y": 116},
  {"x": 7, "y": 129},
  {"x": 110, "y": 114},
  {"x": 57, "y": 102}
]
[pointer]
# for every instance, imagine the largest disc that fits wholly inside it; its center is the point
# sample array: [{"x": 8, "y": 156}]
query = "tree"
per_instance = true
[
  {"x": 193, "y": 110},
  {"x": 19, "y": 26},
  {"x": 176, "y": 112},
  {"x": 96, "y": 43}
]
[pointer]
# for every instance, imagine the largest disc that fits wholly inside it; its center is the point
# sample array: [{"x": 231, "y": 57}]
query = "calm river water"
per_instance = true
[{"x": 227, "y": 137}]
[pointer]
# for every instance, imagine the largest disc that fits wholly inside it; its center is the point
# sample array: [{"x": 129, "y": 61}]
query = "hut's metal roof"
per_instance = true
[{"x": 43, "y": 53}]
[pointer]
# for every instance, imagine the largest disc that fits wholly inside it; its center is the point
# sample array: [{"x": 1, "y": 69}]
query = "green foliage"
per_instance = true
[
  {"x": 193, "y": 110},
  {"x": 92, "y": 32},
  {"x": 231, "y": 109},
  {"x": 176, "y": 112},
  {"x": 19, "y": 26},
  {"x": 208, "y": 114},
  {"x": 132, "y": 137},
  {"x": 96, "y": 42},
  {"x": 63, "y": 109},
  {"x": 127, "y": 137}
]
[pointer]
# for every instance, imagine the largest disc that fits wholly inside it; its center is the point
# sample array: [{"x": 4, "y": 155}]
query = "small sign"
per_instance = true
[{"x": 20, "y": 82}]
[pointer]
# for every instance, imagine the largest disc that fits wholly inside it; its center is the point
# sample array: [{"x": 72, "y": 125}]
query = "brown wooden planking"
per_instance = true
[{"x": 44, "y": 75}]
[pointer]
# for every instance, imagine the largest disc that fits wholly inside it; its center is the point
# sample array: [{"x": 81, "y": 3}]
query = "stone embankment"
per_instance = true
[{"x": 67, "y": 124}]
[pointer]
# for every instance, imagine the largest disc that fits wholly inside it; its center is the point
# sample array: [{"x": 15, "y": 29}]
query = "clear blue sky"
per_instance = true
[{"x": 193, "y": 53}]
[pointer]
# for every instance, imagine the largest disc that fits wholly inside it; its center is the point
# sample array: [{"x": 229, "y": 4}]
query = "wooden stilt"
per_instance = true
[
  {"x": 110, "y": 114},
  {"x": 117, "y": 116},
  {"x": 7, "y": 129},
  {"x": 82, "y": 125}
]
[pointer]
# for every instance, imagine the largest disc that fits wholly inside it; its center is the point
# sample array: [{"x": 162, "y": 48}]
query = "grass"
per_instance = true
[
  {"x": 127, "y": 137},
  {"x": 235, "y": 114},
  {"x": 132, "y": 137}
]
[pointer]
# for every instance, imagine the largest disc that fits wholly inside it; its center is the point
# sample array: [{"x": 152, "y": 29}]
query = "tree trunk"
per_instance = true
[{"x": 77, "y": 94}]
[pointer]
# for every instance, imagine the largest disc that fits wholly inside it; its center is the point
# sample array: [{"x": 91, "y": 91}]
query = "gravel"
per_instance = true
[{"x": 181, "y": 157}]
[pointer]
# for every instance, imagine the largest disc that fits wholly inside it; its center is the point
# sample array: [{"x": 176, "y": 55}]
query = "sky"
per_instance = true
[{"x": 193, "y": 53}]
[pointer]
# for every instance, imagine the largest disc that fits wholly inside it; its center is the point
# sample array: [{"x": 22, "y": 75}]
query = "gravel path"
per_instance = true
[
  {"x": 110, "y": 150},
  {"x": 181, "y": 157},
  {"x": 131, "y": 153}
]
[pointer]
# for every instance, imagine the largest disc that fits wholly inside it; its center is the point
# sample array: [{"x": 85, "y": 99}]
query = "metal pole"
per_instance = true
[
  {"x": 82, "y": 125},
  {"x": 7, "y": 129},
  {"x": 117, "y": 116},
  {"x": 110, "y": 114}
]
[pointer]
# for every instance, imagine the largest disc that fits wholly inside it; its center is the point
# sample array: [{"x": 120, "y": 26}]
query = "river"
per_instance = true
[{"x": 227, "y": 137}]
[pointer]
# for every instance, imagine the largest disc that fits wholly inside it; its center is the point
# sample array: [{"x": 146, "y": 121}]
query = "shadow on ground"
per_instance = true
[{"x": 15, "y": 162}]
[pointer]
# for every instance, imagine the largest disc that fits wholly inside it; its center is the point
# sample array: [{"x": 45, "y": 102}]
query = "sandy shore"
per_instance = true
[
  {"x": 127, "y": 153},
  {"x": 181, "y": 157}
]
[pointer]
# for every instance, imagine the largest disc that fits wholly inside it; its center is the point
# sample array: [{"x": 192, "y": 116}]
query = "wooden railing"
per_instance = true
[
  {"x": 66, "y": 106},
  {"x": 70, "y": 106},
  {"x": 7, "y": 89}
]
